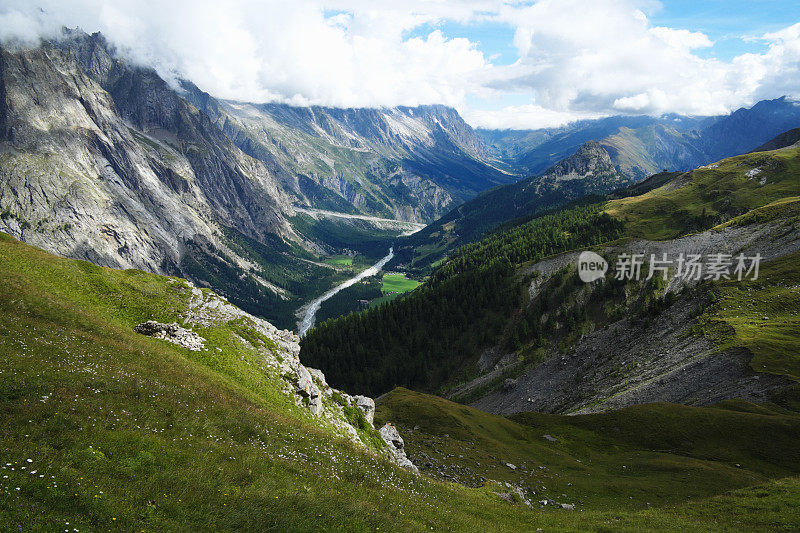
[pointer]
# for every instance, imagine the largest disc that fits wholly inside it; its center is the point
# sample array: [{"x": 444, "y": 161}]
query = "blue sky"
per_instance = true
[
  {"x": 500, "y": 63},
  {"x": 731, "y": 24}
]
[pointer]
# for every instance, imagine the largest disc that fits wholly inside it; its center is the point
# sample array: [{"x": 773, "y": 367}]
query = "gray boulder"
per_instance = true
[
  {"x": 308, "y": 389},
  {"x": 367, "y": 405},
  {"x": 319, "y": 376},
  {"x": 392, "y": 437}
]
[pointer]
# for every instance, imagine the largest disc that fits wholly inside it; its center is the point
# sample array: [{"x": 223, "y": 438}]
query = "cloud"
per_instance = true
[
  {"x": 332, "y": 53},
  {"x": 529, "y": 116},
  {"x": 606, "y": 57},
  {"x": 576, "y": 59}
]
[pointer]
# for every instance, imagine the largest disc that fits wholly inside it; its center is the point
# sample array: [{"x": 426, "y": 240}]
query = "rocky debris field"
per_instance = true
[
  {"x": 633, "y": 361},
  {"x": 525, "y": 483}
]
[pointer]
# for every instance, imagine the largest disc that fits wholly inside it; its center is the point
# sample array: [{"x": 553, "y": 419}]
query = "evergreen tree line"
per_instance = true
[{"x": 432, "y": 336}]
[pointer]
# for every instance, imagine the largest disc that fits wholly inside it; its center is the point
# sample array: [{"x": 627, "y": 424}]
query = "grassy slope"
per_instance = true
[
  {"x": 711, "y": 193},
  {"x": 130, "y": 432},
  {"x": 136, "y": 433},
  {"x": 762, "y": 316},
  {"x": 653, "y": 457}
]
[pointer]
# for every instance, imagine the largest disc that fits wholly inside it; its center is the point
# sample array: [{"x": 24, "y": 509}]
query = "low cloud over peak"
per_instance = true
[{"x": 574, "y": 59}]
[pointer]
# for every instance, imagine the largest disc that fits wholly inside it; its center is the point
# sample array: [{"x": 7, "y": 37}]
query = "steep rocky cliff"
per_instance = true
[{"x": 102, "y": 161}]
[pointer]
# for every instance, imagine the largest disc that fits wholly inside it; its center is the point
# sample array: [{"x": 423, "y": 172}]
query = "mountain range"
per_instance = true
[
  {"x": 640, "y": 145},
  {"x": 105, "y": 161},
  {"x": 594, "y": 157},
  {"x": 407, "y": 163},
  {"x": 132, "y": 399}
]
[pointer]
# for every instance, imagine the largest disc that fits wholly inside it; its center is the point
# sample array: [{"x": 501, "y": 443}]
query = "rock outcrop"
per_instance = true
[
  {"x": 392, "y": 437},
  {"x": 307, "y": 389},
  {"x": 172, "y": 333},
  {"x": 279, "y": 352},
  {"x": 367, "y": 405},
  {"x": 514, "y": 494}
]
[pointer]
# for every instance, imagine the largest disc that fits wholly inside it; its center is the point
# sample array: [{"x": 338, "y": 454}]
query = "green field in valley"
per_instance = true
[
  {"x": 398, "y": 283},
  {"x": 339, "y": 260},
  {"x": 392, "y": 286}
]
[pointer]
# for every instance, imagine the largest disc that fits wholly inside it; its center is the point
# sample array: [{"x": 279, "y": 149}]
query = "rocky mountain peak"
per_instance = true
[{"x": 589, "y": 161}]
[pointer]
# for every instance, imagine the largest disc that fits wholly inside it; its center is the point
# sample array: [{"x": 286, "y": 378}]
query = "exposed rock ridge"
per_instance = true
[
  {"x": 392, "y": 437},
  {"x": 408, "y": 163},
  {"x": 305, "y": 387},
  {"x": 172, "y": 333}
]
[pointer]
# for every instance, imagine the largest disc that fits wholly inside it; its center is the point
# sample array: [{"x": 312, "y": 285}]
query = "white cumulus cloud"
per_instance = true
[
  {"x": 606, "y": 57},
  {"x": 575, "y": 58}
]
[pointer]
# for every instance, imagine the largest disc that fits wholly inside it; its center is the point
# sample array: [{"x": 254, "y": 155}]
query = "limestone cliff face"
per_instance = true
[
  {"x": 77, "y": 181},
  {"x": 238, "y": 188},
  {"x": 103, "y": 161}
]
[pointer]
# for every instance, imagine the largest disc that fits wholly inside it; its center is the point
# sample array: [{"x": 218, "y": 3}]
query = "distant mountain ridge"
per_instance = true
[
  {"x": 641, "y": 145},
  {"x": 409, "y": 163},
  {"x": 627, "y": 149},
  {"x": 784, "y": 140},
  {"x": 537, "y": 150},
  {"x": 589, "y": 171}
]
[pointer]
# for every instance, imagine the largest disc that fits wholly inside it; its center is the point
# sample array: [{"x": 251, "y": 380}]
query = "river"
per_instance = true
[{"x": 310, "y": 309}]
